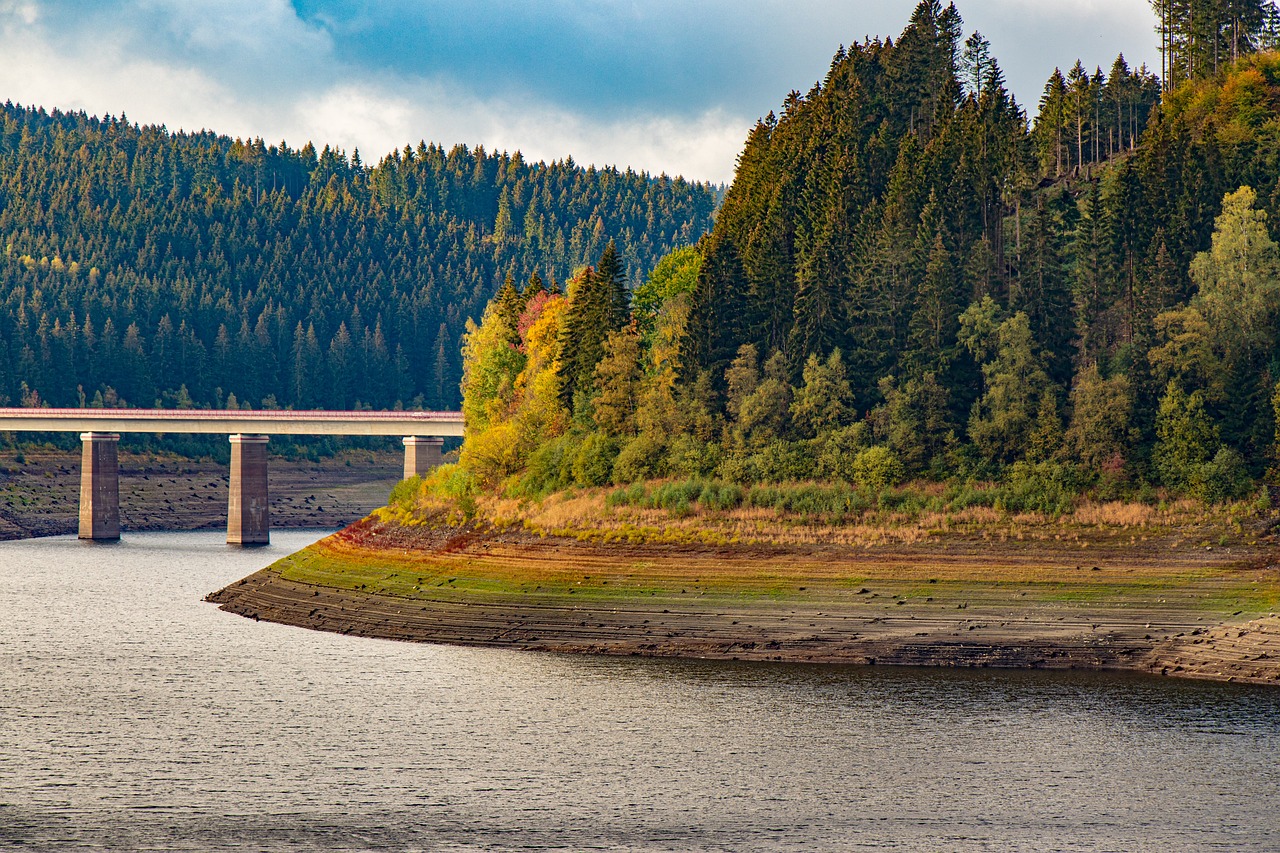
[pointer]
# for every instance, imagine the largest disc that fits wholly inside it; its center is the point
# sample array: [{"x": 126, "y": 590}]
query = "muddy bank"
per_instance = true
[
  {"x": 958, "y": 602},
  {"x": 40, "y": 495}
]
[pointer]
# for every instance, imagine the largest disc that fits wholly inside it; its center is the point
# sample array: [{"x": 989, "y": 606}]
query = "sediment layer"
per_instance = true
[{"x": 952, "y": 603}]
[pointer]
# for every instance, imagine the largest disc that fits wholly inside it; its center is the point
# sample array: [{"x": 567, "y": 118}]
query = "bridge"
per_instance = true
[{"x": 248, "y": 515}]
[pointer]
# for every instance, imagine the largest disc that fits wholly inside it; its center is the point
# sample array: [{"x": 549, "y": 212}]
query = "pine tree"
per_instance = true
[
  {"x": 716, "y": 321},
  {"x": 613, "y": 280}
]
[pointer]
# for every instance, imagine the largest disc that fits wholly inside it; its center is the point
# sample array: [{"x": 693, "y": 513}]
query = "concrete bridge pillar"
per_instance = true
[
  {"x": 421, "y": 454},
  {"x": 100, "y": 486},
  {"x": 248, "y": 521}
]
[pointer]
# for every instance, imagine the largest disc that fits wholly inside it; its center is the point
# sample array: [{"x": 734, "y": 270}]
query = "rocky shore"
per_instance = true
[{"x": 1201, "y": 612}]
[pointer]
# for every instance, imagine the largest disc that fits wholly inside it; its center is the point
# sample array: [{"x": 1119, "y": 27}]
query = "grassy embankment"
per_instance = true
[{"x": 932, "y": 549}]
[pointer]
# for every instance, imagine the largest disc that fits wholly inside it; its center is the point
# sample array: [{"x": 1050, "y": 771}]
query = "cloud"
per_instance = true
[
  {"x": 661, "y": 85},
  {"x": 377, "y": 121},
  {"x": 375, "y": 113},
  {"x": 17, "y": 11}
]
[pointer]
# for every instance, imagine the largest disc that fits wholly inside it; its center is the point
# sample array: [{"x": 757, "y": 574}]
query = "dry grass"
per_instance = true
[
  {"x": 583, "y": 515},
  {"x": 1123, "y": 514}
]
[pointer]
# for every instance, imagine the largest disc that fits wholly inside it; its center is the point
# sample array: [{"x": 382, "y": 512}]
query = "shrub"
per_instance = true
[
  {"x": 839, "y": 450},
  {"x": 1222, "y": 478},
  {"x": 450, "y": 481},
  {"x": 908, "y": 500},
  {"x": 550, "y": 468},
  {"x": 721, "y": 496},
  {"x": 676, "y": 496},
  {"x": 593, "y": 463},
  {"x": 496, "y": 452},
  {"x": 780, "y": 461},
  {"x": 405, "y": 493},
  {"x": 961, "y": 496},
  {"x": 642, "y": 458},
  {"x": 1047, "y": 487},
  {"x": 830, "y": 502},
  {"x": 632, "y": 495},
  {"x": 877, "y": 468},
  {"x": 689, "y": 456},
  {"x": 739, "y": 467}
]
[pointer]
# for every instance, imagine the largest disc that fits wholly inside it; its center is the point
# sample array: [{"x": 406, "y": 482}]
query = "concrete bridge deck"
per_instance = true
[
  {"x": 248, "y": 505},
  {"x": 230, "y": 421}
]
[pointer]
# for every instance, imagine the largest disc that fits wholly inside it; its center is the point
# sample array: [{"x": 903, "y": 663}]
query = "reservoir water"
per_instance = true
[{"x": 133, "y": 716}]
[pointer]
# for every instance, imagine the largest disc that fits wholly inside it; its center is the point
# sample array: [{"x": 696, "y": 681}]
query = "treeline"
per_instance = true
[
  {"x": 902, "y": 284},
  {"x": 143, "y": 266},
  {"x": 1087, "y": 119},
  {"x": 1198, "y": 38}
]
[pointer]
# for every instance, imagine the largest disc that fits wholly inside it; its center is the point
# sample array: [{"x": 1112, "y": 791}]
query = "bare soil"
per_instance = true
[
  {"x": 1199, "y": 612},
  {"x": 40, "y": 496}
]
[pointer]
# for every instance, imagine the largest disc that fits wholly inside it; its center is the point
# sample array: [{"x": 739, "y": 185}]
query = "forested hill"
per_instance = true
[
  {"x": 909, "y": 278},
  {"x": 142, "y": 265}
]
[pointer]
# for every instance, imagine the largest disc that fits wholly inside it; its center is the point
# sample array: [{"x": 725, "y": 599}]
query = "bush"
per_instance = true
[
  {"x": 496, "y": 452},
  {"x": 405, "y": 493},
  {"x": 840, "y": 449},
  {"x": 593, "y": 463},
  {"x": 721, "y": 496},
  {"x": 689, "y": 456},
  {"x": 961, "y": 496},
  {"x": 676, "y": 496},
  {"x": 550, "y": 468},
  {"x": 634, "y": 495},
  {"x": 740, "y": 467},
  {"x": 1047, "y": 487},
  {"x": 780, "y": 461},
  {"x": 877, "y": 468},
  {"x": 908, "y": 500},
  {"x": 834, "y": 503},
  {"x": 643, "y": 457},
  {"x": 449, "y": 481},
  {"x": 1222, "y": 478}
]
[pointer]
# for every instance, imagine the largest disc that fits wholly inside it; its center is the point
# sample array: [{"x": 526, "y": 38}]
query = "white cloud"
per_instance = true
[
  {"x": 377, "y": 122},
  {"x": 255, "y": 68},
  {"x": 268, "y": 28},
  {"x": 374, "y": 115},
  {"x": 17, "y": 11}
]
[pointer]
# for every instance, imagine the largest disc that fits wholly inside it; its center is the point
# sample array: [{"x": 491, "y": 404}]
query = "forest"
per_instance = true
[
  {"x": 143, "y": 267},
  {"x": 911, "y": 280}
]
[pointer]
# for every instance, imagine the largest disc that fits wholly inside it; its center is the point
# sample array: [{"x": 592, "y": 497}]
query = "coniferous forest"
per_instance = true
[
  {"x": 142, "y": 267},
  {"x": 912, "y": 278}
]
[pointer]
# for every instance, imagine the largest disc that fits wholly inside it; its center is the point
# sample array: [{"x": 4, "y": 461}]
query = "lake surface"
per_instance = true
[{"x": 135, "y": 716}]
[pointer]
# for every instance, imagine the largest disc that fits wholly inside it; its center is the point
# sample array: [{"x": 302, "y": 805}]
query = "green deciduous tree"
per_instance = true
[
  {"x": 1014, "y": 380},
  {"x": 618, "y": 377},
  {"x": 1101, "y": 419},
  {"x": 1186, "y": 437},
  {"x": 824, "y": 401}
]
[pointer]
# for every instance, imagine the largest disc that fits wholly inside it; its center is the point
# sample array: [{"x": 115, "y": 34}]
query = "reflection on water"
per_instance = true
[{"x": 132, "y": 715}]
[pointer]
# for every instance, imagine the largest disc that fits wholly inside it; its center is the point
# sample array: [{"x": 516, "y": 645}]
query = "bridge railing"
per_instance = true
[{"x": 231, "y": 421}]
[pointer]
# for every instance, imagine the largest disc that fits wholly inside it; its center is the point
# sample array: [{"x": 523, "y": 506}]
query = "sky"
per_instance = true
[{"x": 664, "y": 86}]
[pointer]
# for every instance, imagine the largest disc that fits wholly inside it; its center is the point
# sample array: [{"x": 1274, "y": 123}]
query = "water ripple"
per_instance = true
[{"x": 135, "y": 717}]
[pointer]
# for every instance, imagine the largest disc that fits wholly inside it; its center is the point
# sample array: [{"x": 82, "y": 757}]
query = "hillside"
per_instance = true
[
  {"x": 143, "y": 265},
  {"x": 908, "y": 280}
]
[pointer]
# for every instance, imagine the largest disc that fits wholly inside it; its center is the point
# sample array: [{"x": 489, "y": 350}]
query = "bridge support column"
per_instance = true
[
  {"x": 100, "y": 486},
  {"x": 421, "y": 454},
  {"x": 248, "y": 521}
]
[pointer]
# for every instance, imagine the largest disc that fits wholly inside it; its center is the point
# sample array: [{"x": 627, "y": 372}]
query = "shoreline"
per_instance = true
[{"x": 936, "y": 604}]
